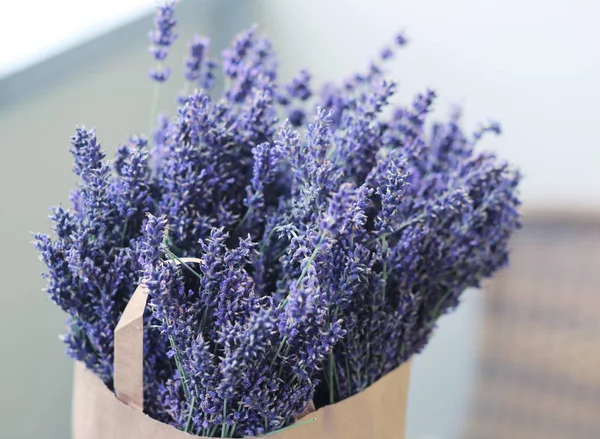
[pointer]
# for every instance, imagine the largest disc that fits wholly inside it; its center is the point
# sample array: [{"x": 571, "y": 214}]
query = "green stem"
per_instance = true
[
  {"x": 384, "y": 271},
  {"x": 330, "y": 379},
  {"x": 336, "y": 378},
  {"x": 182, "y": 373},
  {"x": 311, "y": 259},
  {"x": 306, "y": 267},
  {"x": 224, "y": 424},
  {"x": 283, "y": 340},
  {"x": 124, "y": 234},
  {"x": 400, "y": 228},
  {"x": 234, "y": 424},
  {"x": 189, "y": 418},
  {"x": 368, "y": 357},
  {"x": 280, "y": 254},
  {"x": 287, "y": 351},
  {"x": 243, "y": 220},
  {"x": 202, "y": 431},
  {"x": 348, "y": 380},
  {"x": 203, "y": 321},
  {"x": 269, "y": 236},
  {"x": 176, "y": 258},
  {"x": 436, "y": 311}
]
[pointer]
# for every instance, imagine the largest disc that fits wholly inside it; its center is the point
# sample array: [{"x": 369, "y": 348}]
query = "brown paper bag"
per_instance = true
[{"x": 376, "y": 413}]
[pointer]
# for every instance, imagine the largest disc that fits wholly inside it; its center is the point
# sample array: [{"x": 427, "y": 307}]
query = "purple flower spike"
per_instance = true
[
  {"x": 386, "y": 53},
  {"x": 401, "y": 39},
  {"x": 198, "y": 68},
  {"x": 162, "y": 37}
]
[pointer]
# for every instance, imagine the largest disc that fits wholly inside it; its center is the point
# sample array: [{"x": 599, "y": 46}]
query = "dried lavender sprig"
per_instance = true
[{"x": 162, "y": 37}]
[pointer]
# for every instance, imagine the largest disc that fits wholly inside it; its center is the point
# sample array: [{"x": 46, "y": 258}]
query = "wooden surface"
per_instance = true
[{"x": 539, "y": 365}]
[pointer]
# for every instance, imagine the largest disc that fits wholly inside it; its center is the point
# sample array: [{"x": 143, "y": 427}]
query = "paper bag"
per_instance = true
[{"x": 376, "y": 413}]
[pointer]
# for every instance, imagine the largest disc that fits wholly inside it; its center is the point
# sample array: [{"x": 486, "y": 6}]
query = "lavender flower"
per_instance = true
[
  {"x": 329, "y": 244},
  {"x": 250, "y": 61},
  {"x": 162, "y": 37},
  {"x": 400, "y": 39},
  {"x": 299, "y": 87},
  {"x": 296, "y": 117},
  {"x": 199, "y": 69},
  {"x": 92, "y": 264}
]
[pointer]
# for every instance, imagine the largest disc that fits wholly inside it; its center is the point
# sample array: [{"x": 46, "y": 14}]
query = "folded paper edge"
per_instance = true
[
  {"x": 129, "y": 352},
  {"x": 128, "y": 346},
  {"x": 135, "y": 307}
]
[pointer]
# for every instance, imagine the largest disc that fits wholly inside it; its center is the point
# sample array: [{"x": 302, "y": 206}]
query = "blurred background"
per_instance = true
[{"x": 519, "y": 360}]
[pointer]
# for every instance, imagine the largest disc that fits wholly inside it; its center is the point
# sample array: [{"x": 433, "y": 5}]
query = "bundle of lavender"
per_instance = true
[{"x": 330, "y": 243}]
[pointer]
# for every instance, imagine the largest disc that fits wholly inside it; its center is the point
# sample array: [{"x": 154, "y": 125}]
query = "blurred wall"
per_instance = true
[{"x": 530, "y": 64}]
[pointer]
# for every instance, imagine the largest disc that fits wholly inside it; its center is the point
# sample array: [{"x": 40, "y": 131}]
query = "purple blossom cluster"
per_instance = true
[
  {"x": 199, "y": 68},
  {"x": 333, "y": 229}
]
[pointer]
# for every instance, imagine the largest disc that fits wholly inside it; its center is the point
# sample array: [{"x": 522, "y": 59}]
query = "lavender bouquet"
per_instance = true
[{"x": 333, "y": 230}]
